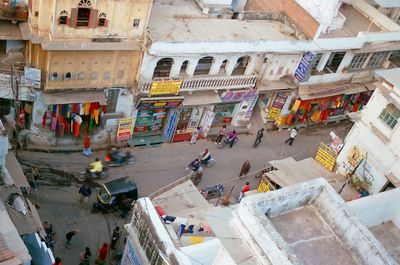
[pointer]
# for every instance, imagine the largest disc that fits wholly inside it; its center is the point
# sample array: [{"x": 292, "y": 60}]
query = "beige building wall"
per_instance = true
[{"x": 125, "y": 19}]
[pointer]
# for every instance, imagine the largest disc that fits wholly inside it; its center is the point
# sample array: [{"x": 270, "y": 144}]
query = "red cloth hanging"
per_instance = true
[
  {"x": 44, "y": 119},
  {"x": 77, "y": 128}
]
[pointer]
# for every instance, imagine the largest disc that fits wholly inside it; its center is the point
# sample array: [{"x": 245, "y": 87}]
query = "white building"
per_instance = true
[
  {"x": 371, "y": 148},
  {"x": 306, "y": 223},
  {"x": 307, "y": 65},
  {"x": 380, "y": 213}
]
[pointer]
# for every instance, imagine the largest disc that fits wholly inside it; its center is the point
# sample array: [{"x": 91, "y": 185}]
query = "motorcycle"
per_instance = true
[
  {"x": 126, "y": 160},
  {"x": 213, "y": 192},
  {"x": 226, "y": 141},
  {"x": 87, "y": 174}
]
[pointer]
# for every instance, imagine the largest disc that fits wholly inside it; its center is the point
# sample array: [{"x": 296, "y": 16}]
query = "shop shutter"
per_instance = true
[
  {"x": 74, "y": 17},
  {"x": 93, "y": 18}
]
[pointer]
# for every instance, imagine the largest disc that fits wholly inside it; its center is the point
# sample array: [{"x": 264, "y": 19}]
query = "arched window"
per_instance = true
[
  {"x": 163, "y": 67},
  {"x": 241, "y": 65},
  {"x": 390, "y": 115},
  {"x": 222, "y": 68},
  {"x": 184, "y": 68},
  {"x": 203, "y": 66}
]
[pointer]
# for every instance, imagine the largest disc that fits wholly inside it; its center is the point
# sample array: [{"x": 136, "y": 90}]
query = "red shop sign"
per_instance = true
[{"x": 227, "y": 120}]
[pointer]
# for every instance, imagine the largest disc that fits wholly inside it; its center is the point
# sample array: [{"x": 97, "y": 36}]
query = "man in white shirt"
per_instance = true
[{"x": 293, "y": 134}]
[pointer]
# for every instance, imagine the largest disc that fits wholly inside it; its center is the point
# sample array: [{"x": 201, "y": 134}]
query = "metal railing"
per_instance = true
[{"x": 209, "y": 83}]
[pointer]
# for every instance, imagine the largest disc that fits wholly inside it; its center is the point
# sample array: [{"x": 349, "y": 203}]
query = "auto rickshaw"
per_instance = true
[{"x": 118, "y": 194}]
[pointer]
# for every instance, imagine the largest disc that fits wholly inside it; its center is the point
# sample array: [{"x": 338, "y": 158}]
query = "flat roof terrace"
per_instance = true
[
  {"x": 178, "y": 21},
  {"x": 355, "y": 23},
  {"x": 307, "y": 223},
  {"x": 311, "y": 238}
]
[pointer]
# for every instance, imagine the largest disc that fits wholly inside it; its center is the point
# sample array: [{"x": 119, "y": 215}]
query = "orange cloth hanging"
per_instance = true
[
  {"x": 86, "y": 107},
  {"x": 95, "y": 115}
]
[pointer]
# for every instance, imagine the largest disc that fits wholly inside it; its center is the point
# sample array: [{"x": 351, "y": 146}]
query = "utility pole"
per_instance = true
[{"x": 17, "y": 103}]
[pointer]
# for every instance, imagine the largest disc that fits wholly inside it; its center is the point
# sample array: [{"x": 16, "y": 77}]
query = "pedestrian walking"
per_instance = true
[
  {"x": 293, "y": 134},
  {"x": 221, "y": 134},
  {"x": 85, "y": 257},
  {"x": 102, "y": 254},
  {"x": 86, "y": 146},
  {"x": 69, "y": 236},
  {"x": 195, "y": 134},
  {"x": 245, "y": 189},
  {"x": 260, "y": 135},
  {"x": 115, "y": 236},
  {"x": 245, "y": 169},
  {"x": 57, "y": 261},
  {"x": 84, "y": 192}
]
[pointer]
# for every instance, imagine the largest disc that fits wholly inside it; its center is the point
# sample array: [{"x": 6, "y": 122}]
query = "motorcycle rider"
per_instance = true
[
  {"x": 96, "y": 166},
  {"x": 194, "y": 166},
  {"x": 232, "y": 137},
  {"x": 119, "y": 157},
  {"x": 205, "y": 157}
]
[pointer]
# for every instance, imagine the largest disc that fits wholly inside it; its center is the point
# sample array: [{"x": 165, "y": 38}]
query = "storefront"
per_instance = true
[
  {"x": 324, "y": 104},
  {"x": 152, "y": 115},
  {"x": 191, "y": 113},
  {"x": 72, "y": 113}
]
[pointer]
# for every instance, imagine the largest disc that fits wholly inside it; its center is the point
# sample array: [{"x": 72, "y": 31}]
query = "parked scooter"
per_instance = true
[{"x": 225, "y": 142}]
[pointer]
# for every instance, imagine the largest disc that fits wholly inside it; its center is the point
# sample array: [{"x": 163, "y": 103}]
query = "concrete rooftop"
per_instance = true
[
  {"x": 306, "y": 223},
  {"x": 355, "y": 23},
  {"x": 182, "y": 21}
]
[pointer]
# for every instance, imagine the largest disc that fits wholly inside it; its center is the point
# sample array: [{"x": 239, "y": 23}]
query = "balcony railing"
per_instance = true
[
  {"x": 209, "y": 83},
  {"x": 14, "y": 12}
]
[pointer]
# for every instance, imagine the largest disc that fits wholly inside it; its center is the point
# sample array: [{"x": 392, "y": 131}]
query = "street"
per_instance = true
[{"x": 155, "y": 168}]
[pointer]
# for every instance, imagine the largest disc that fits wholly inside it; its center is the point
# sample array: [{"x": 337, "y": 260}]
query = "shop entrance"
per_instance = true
[
  {"x": 223, "y": 114},
  {"x": 184, "y": 118}
]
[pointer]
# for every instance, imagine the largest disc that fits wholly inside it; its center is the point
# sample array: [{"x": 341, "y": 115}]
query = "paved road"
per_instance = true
[
  {"x": 155, "y": 168},
  {"x": 159, "y": 166}
]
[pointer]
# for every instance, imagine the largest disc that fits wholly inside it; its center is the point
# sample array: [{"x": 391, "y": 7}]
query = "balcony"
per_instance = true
[
  {"x": 13, "y": 11},
  {"x": 209, "y": 83}
]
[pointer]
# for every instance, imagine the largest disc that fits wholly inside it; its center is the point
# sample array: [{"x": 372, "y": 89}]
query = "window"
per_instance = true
[
  {"x": 68, "y": 76},
  {"x": 390, "y": 115},
  {"x": 377, "y": 59},
  {"x": 93, "y": 75},
  {"x": 358, "y": 60},
  {"x": 184, "y": 68},
  {"x": 315, "y": 61},
  {"x": 163, "y": 67},
  {"x": 395, "y": 58},
  {"x": 81, "y": 75},
  {"x": 334, "y": 61},
  {"x": 136, "y": 22},
  {"x": 241, "y": 65},
  {"x": 83, "y": 17},
  {"x": 63, "y": 17},
  {"x": 222, "y": 68},
  {"x": 107, "y": 75},
  {"x": 102, "y": 20},
  {"x": 203, "y": 66},
  {"x": 54, "y": 76}
]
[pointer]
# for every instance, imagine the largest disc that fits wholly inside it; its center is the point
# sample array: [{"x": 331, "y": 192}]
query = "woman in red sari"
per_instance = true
[{"x": 102, "y": 254}]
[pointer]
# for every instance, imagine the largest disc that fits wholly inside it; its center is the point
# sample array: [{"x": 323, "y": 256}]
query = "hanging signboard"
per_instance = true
[
  {"x": 303, "y": 66},
  {"x": 277, "y": 106},
  {"x": 32, "y": 77},
  {"x": 125, "y": 128},
  {"x": 206, "y": 121},
  {"x": 237, "y": 96},
  {"x": 159, "y": 103},
  {"x": 168, "y": 87}
]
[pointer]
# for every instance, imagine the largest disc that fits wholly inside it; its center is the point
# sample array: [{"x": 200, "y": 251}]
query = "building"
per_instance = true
[
  {"x": 371, "y": 150},
  {"x": 383, "y": 221},
  {"x": 88, "y": 53},
  {"x": 347, "y": 41},
  {"x": 305, "y": 223}
]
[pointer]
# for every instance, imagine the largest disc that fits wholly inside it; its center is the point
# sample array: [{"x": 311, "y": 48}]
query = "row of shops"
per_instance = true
[{"x": 173, "y": 118}]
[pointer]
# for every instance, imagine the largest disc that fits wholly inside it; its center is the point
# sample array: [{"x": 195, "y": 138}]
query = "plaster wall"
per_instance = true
[
  {"x": 120, "y": 15},
  {"x": 377, "y": 208}
]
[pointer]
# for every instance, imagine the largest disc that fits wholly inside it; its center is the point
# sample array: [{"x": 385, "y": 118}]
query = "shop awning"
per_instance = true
[
  {"x": 74, "y": 97},
  {"x": 275, "y": 86},
  {"x": 15, "y": 171},
  {"x": 203, "y": 98},
  {"x": 321, "y": 91}
]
